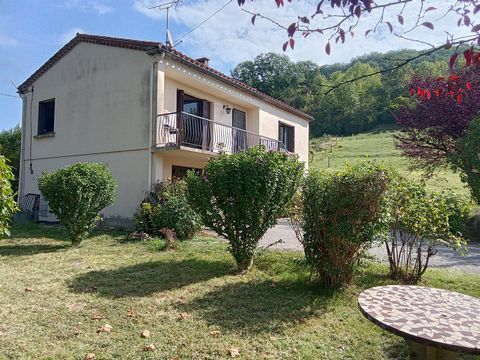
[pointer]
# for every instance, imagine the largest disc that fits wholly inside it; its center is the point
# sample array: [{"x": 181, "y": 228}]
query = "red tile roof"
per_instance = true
[{"x": 151, "y": 47}]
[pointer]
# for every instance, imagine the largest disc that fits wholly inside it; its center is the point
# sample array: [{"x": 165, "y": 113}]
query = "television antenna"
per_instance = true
[{"x": 167, "y": 6}]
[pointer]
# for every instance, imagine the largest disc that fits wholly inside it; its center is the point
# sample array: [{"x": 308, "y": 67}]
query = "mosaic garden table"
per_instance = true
[{"x": 437, "y": 324}]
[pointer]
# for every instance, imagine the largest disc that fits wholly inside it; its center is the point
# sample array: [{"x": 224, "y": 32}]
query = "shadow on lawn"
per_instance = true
[
  {"x": 258, "y": 307},
  {"x": 29, "y": 249},
  {"x": 147, "y": 278}
]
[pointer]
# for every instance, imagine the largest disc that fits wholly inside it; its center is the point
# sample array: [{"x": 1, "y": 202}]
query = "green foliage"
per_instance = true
[
  {"x": 10, "y": 143},
  {"x": 467, "y": 158},
  {"x": 342, "y": 213},
  {"x": 76, "y": 194},
  {"x": 239, "y": 196},
  {"x": 419, "y": 221},
  {"x": 167, "y": 207},
  {"x": 351, "y": 108},
  {"x": 7, "y": 203}
]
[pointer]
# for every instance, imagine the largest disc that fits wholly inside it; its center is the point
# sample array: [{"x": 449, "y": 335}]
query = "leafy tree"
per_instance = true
[
  {"x": 342, "y": 213},
  {"x": 431, "y": 129},
  {"x": 7, "y": 202},
  {"x": 10, "y": 143},
  {"x": 419, "y": 222},
  {"x": 467, "y": 158},
  {"x": 240, "y": 196},
  {"x": 76, "y": 194}
]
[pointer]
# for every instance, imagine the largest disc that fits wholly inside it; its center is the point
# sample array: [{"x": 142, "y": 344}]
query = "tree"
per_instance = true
[
  {"x": 10, "y": 143},
  {"x": 467, "y": 158},
  {"x": 420, "y": 221},
  {"x": 240, "y": 196},
  {"x": 7, "y": 202},
  {"x": 337, "y": 21},
  {"x": 76, "y": 194},
  {"x": 430, "y": 129}
]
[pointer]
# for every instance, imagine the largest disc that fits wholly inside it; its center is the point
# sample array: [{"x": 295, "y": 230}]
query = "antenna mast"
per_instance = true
[{"x": 166, "y": 6}]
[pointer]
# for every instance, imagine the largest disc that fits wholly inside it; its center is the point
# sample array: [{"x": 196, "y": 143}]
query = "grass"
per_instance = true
[
  {"x": 379, "y": 146},
  {"x": 189, "y": 299}
]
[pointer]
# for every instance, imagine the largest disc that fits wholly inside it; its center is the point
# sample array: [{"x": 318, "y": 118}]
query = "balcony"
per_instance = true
[{"x": 175, "y": 130}]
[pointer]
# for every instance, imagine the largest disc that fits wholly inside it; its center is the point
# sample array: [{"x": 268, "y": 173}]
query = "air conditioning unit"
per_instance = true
[{"x": 44, "y": 213}]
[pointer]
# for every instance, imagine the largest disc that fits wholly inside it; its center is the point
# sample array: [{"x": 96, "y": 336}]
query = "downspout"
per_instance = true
[
  {"x": 21, "y": 171},
  {"x": 150, "y": 135}
]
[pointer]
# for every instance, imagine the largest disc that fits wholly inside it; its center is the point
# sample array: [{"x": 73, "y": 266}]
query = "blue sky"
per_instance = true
[{"x": 33, "y": 30}]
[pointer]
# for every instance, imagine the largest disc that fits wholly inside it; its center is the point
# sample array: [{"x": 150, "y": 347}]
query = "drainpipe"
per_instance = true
[
  {"x": 21, "y": 170},
  {"x": 152, "y": 113}
]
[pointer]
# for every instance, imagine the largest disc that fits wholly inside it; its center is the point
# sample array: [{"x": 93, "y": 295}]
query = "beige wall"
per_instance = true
[
  {"x": 102, "y": 114},
  {"x": 129, "y": 169}
]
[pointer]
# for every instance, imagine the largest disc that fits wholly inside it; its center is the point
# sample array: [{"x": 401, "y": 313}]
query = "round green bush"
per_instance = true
[
  {"x": 167, "y": 207},
  {"x": 76, "y": 194},
  {"x": 240, "y": 196}
]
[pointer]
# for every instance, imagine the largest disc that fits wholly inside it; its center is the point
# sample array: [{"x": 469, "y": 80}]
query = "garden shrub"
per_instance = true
[
  {"x": 166, "y": 207},
  {"x": 419, "y": 221},
  {"x": 76, "y": 194},
  {"x": 239, "y": 196},
  {"x": 7, "y": 202},
  {"x": 342, "y": 213}
]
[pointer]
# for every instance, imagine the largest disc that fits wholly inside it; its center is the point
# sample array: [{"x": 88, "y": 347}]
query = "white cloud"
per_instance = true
[
  {"x": 229, "y": 37},
  {"x": 6, "y": 40},
  {"x": 69, "y": 35},
  {"x": 99, "y": 6}
]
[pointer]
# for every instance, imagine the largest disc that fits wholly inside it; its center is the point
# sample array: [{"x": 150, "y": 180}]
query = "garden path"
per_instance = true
[{"x": 445, "y": 258}]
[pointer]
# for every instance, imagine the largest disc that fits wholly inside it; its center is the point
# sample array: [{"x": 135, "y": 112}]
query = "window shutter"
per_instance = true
[{"x": 291, "y": 139}]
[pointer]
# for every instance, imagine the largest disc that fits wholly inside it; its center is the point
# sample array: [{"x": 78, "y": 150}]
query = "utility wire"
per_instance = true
[
  {"x": 14, "y": 96},
  {"x": 203, "y": 22}
]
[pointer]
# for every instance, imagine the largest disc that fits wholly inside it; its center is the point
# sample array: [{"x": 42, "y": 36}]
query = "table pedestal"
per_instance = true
[{"x": 423, "y": 352}]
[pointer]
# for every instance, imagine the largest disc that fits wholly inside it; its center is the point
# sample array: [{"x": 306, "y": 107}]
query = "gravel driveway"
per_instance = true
[{"x": 445, "y": 258}]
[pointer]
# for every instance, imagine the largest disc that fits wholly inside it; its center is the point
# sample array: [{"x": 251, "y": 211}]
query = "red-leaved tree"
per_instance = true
[{"x": 445, "y": 107}]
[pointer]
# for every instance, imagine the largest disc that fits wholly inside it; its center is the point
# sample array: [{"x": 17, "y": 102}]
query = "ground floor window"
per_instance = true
[{"x": 180, "y": 172}]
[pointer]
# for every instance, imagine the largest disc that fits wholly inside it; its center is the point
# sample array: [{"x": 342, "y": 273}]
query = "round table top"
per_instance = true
[{"x": 429, "y": 316}]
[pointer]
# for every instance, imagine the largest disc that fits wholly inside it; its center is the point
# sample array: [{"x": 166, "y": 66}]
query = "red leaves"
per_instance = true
[
  {"x": 389, "y": 26},
  {"x": 327, "y": 48},
  {"x": 459, "y": 98},
  {"x": 468, "y": 55},
  {"x": 253, "y": 19},
  {"x": 453, "y": 58},
  {"x": 468, "y": 85},
  {"x": 428, "y": 25},
  {"x": 476, "y": 28},
  {"x": 400, "y": 19},
  {"x": 368, "y": 32},
  {"x": 454, "y": 78},
  {"x": 279, "y": 3},
  {"x": 292, "y": 43},
  {"x": 284, "y": 46},
  {"x": 476, "y": 10},
  {"x": 292, "y": 29}
]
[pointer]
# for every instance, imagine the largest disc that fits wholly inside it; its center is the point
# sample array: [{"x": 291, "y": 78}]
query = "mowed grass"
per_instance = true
[
  {"x": 190, "y": 300},
  {"x": 379, "y": 146}
]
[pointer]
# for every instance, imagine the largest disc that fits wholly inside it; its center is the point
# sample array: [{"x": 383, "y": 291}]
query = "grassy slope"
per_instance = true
[
  {"x": 380, "y": 147},
  {"x": 272, "y": 312}
]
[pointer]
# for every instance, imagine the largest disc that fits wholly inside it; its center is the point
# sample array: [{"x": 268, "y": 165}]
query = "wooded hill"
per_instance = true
[{"x": 349, "y": 109}]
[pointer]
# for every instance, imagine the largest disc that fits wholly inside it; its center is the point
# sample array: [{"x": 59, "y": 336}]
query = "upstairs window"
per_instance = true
[
  {"x": 286, "y": 135},
  {"x": 46, "y": 116}
]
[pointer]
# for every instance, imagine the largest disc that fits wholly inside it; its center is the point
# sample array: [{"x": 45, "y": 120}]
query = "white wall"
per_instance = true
[{"x": 102, "y": 114}]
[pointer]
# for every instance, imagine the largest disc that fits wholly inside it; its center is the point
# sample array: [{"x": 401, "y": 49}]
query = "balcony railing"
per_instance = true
[{"x": 183, "y": 129}]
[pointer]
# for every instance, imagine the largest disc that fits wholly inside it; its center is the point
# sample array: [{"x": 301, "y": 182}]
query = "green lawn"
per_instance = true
[
  {"x": 379, "y": 146},
  {"x": 189, "y": 299}
]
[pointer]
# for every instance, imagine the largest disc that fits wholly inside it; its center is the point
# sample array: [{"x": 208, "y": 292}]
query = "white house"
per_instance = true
[{"x": 146, "y": 110}]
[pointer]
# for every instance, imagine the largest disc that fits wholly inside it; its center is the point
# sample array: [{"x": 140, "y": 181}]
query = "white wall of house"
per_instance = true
[{"x": 102, "y": 114}]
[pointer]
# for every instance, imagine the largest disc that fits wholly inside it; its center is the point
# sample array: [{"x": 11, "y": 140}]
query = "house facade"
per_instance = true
[{"x": 147, "y": 111}]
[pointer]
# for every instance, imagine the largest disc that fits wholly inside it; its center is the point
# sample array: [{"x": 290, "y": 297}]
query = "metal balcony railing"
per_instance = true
[{"x": 183, "y": 129}]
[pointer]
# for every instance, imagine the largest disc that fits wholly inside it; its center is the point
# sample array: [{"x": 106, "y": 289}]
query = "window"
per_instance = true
[
  {"x": 46, "y": 116},
  {"x": 286, "y": 135},
  {"x": 180, "y": 172}
]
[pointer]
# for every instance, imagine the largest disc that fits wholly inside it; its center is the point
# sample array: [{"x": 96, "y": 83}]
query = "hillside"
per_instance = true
[{"x": 377, "y": 146}]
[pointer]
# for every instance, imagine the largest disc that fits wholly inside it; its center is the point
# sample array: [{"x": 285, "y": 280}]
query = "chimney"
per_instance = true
[{"x": 203, "y": 60}]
